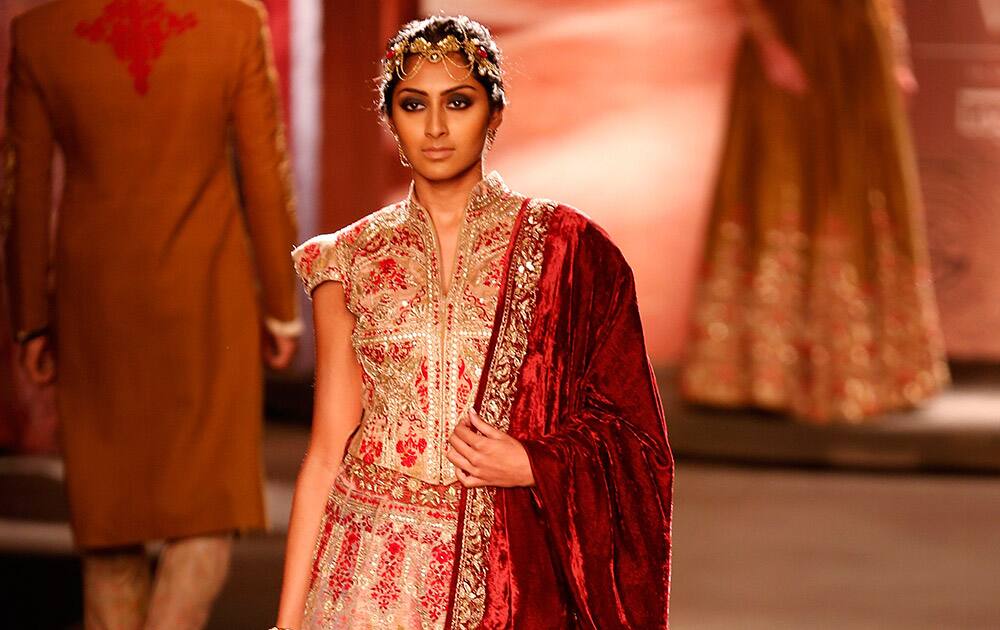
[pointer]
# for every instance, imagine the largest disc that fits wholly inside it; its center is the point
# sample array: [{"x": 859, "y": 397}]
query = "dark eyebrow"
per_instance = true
[{"x": 464, "y": 86}]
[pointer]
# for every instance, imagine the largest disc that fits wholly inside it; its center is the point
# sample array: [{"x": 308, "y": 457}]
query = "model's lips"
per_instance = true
[{"x": 437, "y": 153}]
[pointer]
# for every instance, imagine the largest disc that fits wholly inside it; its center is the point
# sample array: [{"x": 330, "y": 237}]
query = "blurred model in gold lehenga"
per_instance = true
[{"x": 816, "y": 297}]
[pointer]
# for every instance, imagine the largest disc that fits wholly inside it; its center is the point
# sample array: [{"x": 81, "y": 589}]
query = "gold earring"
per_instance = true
[
  {"x": 402, "y": 156},
  {"x": 491, "y": 136}
]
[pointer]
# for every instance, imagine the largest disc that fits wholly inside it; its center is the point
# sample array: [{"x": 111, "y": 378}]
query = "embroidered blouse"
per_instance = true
[{"x": 421, "y": 349}]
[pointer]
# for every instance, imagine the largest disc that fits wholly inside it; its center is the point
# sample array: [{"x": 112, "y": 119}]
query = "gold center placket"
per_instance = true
[{"x": 446, "y": 389}]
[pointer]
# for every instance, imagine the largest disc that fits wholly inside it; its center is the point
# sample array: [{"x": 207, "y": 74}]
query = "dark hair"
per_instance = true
[{"x": 434, "y": 29}]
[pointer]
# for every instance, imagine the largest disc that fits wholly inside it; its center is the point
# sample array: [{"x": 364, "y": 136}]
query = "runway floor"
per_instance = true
[{"x": 754, "y": 547}]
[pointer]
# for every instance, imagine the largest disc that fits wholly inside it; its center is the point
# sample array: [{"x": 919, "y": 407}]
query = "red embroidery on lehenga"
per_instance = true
[
  {"x": 344, "y": 568},
  {"x": 387, "y": 589},
  {"x": 137, "y": 31},
  {"x": 435, "y": 597}
]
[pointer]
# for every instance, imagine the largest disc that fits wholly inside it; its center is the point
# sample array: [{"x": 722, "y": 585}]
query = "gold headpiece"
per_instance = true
[{"x": 473, "y": 50}]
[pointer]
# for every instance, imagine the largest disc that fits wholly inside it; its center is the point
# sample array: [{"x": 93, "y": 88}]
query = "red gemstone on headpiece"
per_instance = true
[
  {"x": 390, "y": 54},
  {"x": 483, "y": 53}
]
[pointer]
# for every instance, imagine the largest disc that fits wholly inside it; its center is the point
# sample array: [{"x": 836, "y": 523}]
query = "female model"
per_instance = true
[{"x": 488, "y": 445}]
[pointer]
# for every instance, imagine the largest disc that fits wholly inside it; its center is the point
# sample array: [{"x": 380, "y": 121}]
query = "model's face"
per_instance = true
[{"x": 441, "y": 122}]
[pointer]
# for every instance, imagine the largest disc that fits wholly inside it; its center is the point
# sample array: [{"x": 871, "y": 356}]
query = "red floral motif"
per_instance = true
[
  {"x": 406, "y": 240},
  {"x": 137, "y": 31},
  {"x": 387, "y": 590},
  {"x": 435, "y": 597},
  {"x": 423, "y": 396},
  {"x": 400, "y": 351},
  {"x": 324, "y": 540},
  {"x": 410, "y": 448},
  {"x": 494, "y": 274},
  {"x": 464, "y": 389},
  {"x": 344, "y": 567},
  {"x": 489, "y": 238},
  {"x": 370, "y": 450},
  {"x": 387, "y": 275},
  {"x": 309, "y": 255}
]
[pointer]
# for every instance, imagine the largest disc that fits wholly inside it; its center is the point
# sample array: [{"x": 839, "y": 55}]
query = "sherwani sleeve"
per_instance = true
[
  {"x": 264, "y": 174},
  {"x": 27, "y": 191},
  {"x": 604, "y": 473}
]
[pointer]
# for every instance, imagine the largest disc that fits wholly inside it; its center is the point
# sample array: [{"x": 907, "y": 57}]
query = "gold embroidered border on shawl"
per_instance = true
[{"x": 514, "y": 321}]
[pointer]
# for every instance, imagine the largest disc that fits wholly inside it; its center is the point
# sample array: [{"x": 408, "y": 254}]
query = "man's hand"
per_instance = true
[
  {"x": 38, "y": 361},
  {"x": 279, "y": 350}
]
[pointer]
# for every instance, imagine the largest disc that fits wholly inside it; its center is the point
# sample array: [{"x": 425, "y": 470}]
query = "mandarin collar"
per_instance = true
[{"x": 489, "y": 189}]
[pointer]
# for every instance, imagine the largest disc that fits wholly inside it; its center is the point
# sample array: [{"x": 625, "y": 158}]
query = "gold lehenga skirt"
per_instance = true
[
  {"x": 384, "y": 555},
  {"x": 816, "y": 297}
]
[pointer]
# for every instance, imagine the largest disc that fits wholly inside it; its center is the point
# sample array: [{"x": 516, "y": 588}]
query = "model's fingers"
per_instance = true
[
  {"x": 463, "y": 449},
  {"x": 462, "y": 464},
  {"x": 469, "y": 481},
  {"x": 488, "y": 430},
  {"x": 468, "y": 435}
]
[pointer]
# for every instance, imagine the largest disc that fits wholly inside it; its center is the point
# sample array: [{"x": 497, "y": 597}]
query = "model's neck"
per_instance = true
[{"x": 448, "y": 197}]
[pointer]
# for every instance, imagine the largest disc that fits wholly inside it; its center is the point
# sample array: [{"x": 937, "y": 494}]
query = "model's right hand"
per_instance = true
[
  {"x": 38, "y": 361},
  {"x": 782, "y": 67}
]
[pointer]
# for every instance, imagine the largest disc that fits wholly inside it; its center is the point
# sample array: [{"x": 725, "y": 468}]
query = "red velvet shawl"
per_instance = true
[{"x": 567, "y": 375}]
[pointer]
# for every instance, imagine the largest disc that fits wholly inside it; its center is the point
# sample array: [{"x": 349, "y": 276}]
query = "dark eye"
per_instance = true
[
  {"x": 411, "y": 105},
  {"x": 459, "y": 101}
]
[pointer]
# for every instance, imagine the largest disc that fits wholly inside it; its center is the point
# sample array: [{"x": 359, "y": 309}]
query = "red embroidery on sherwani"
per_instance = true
[
  {"x": 410, "y": 448},
  {"x": 137, "y": 31}
]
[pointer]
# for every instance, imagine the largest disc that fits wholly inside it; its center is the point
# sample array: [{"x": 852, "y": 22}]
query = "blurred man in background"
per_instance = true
[{"x": 152, "y": 332}]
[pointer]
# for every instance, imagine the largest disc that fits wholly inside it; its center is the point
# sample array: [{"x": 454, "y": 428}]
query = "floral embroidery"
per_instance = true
[
  {"x": 794, "y": 323},
  {"x": 370, "y": 451},
  {"x": 137, "y": 31},
  {"x": 384, "y": 558},
  {"x": 309, "y": 256},
  {"x": 510, "y": 341},
  {"x": 388, "y": 275},
  {"x": 435, "y": 597},
  {"x": 409, "y": 449},
  {"x": 421, "y": 351}
]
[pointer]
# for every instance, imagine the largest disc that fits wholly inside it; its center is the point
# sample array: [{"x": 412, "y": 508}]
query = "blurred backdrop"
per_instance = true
[{"x": 619, "y": 109}]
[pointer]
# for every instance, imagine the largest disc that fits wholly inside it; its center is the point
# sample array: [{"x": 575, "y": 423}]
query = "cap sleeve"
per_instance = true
[{"x": 322, "y": 259}]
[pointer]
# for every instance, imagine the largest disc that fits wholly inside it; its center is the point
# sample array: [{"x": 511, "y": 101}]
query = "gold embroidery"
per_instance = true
[
  {"x": 802, "y": 327},
  {"x": 513, "y": 326},
  {"x": 421, "y": 350},
  {"x": 390, "y": 483},
  {"x": 386, "y": 550}
]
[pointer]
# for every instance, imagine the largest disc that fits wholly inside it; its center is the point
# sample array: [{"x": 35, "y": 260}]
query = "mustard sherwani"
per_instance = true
[{"x": 161, "y": 280}]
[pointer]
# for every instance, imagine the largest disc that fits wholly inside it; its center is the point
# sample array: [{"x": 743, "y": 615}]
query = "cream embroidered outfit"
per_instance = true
[{"x": 386, "y": 546}]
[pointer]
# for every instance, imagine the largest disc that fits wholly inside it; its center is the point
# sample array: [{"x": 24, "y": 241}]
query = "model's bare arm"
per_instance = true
[{"x": 336, "y": 414}]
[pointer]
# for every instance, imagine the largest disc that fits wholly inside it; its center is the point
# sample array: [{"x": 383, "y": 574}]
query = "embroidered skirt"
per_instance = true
[{"x": 385, "y": 551}]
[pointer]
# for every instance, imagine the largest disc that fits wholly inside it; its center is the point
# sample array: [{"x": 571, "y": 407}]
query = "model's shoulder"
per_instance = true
[
  {"x": 364, "y": 230},
  {"x": 572, "y": 224}
]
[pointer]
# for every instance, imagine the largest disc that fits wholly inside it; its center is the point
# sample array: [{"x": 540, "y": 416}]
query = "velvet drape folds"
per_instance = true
[{"x": 589, "y": 545}]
